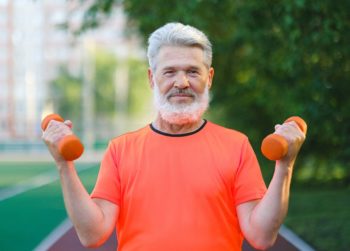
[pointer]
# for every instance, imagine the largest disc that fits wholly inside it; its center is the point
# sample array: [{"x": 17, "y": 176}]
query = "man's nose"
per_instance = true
[{"x": 181, "y": 81}]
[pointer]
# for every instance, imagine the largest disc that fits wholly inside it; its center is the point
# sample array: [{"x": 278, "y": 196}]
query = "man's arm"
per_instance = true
[
  {"x": 260, "y": 220},
  {"x": 93, "y": 219}
]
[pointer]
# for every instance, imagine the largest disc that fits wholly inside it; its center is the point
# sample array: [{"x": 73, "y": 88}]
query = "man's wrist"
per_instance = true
[
  {"x": 64, "y": 165},
  {"x": 285, "y": 168}
]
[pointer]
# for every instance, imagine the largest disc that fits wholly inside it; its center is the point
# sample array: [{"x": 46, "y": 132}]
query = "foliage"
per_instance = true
[
  {"x": 66, "y": 91},
  {"x": 139, "y": 90},
  {"x": 272, "y": 60},
  {"x": 321, "y": 217},
  {"x": 104, "y": 90},
  {"x": 102, "y": 66}
]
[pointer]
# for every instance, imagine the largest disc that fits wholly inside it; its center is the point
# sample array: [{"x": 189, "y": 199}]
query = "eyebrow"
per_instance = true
[{"x": 191, "y": 67}]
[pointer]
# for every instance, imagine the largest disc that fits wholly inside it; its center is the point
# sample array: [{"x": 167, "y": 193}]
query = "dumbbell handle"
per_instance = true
[
  {"x": 70, "y": 146},
  {"x": 274, "y": 146}
]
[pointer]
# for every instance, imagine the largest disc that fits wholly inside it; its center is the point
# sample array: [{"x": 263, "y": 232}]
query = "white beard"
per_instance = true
[{"x": 181, "y": 113}]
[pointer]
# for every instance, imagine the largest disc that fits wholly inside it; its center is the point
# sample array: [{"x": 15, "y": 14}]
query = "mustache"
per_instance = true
[{"x": 174, "y": 92}]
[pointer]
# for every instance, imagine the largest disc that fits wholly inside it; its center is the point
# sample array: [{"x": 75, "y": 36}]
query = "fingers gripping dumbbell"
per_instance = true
[
  {"x": 274, "y": 146},
  {"x": 70, "y": 146}
]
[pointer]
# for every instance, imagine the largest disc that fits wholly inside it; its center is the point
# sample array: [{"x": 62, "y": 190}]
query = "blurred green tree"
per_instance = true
[
  {"x": 102, "y": 65},
  {"x": 66, "y": 93},
  {"x": 273, "y": 59},
  {"x": 139, "y": 91},
  {"x": 104, "y": 87},
  {"x": 67, "y": 89}
]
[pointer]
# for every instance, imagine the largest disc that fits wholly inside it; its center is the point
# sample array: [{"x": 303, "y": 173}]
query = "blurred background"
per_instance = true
[
  {"x": 96, "y": 78},
  {"x": 86, "y": 61}
]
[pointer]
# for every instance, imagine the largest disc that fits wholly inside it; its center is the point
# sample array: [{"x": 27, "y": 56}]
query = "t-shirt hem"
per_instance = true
[
  {"x": 104, "y": 197},
  {"x": 256, "y": 196}
]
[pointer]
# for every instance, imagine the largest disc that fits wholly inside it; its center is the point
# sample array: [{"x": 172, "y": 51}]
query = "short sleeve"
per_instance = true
[
  {"x": 108, "y": 180},
  {"x": 248, "y": 183}
]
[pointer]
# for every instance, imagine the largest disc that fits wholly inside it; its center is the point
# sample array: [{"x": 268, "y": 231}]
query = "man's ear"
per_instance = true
[
  {"x": 210, "y": 77},
  {"x": 150, "y": 78}
]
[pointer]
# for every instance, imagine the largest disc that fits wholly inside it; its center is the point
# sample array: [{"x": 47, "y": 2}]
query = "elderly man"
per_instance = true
[{"x": 182, "y": 182}]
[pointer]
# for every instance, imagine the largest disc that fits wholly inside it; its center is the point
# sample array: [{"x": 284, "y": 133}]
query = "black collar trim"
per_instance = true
[{"x": 178, "y": 135}]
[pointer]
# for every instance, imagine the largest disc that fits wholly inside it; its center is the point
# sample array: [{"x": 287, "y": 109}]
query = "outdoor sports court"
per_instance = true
[{"x": 33, "y": 215}]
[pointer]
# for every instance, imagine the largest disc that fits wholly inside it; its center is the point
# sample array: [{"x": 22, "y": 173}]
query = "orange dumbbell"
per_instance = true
[
  {"x": 274, "y": 146},
  {"x": 70, "y": 147}
]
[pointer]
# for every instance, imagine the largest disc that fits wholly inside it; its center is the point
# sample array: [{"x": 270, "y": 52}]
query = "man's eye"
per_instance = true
[
  {"x": 193, "y": 72},
  {"x": 167, "y": 73}
]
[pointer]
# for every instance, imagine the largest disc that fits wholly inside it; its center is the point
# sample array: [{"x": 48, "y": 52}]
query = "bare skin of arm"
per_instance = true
[
  {"x": 260, "y": 220},
  {"x": 93, "y": 219}
]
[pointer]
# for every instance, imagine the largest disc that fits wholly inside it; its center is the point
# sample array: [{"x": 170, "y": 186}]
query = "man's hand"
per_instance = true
[
  {"x": 295, "y": 138},
  {"x": 54, "y": 132}
]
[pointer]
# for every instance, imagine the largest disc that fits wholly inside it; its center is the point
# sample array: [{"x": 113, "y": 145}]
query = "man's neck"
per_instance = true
[{"x": 166, "y": 127}]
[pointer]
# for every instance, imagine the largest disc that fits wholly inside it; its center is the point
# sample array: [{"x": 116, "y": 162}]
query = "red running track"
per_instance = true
[{"x": 70, "y": 242}]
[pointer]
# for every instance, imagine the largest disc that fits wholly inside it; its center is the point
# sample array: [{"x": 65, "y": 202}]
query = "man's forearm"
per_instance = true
[
  {"x": 269, "y": 214},
  {"x": 86, "y": 216}
]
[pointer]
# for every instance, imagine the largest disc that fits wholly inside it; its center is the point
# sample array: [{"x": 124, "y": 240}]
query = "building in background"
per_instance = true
[{"x": 32, "y": 48}]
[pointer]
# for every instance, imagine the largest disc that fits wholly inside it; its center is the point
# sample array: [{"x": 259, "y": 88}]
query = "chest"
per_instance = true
[{"x": 177, "y": 170}]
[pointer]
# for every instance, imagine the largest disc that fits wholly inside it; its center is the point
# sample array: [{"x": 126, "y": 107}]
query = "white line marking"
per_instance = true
[
  {"x": 24, "y": 186},
  {"x": 35, "y": 182},
  {"x": 54, "y": 236},
  {"x": 295, "y": 240}
]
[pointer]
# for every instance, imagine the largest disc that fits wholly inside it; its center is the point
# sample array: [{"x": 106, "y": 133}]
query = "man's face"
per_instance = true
[
  {"x": 180, "y": 67},
  {"x": 181, "y": 82}
]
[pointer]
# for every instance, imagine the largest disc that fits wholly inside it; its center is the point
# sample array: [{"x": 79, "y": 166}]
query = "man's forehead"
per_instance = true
[
  {"x": 175, "y": 66},
  {"x": 165, "y": 49},
  {"x": 173, "y": 56}
]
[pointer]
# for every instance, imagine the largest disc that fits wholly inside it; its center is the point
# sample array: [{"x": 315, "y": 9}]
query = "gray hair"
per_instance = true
[{"x": 178, "y": 34}]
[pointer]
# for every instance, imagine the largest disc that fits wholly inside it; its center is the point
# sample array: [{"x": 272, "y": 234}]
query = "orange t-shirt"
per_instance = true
[{"x": 179, "y": 192}]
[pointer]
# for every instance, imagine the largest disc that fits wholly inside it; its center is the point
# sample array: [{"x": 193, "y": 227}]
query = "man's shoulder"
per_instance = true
[{"x": 225, "y": 131}]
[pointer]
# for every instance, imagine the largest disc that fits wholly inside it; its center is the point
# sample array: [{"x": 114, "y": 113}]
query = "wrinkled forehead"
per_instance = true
[{"x": 180, "y": 56}]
